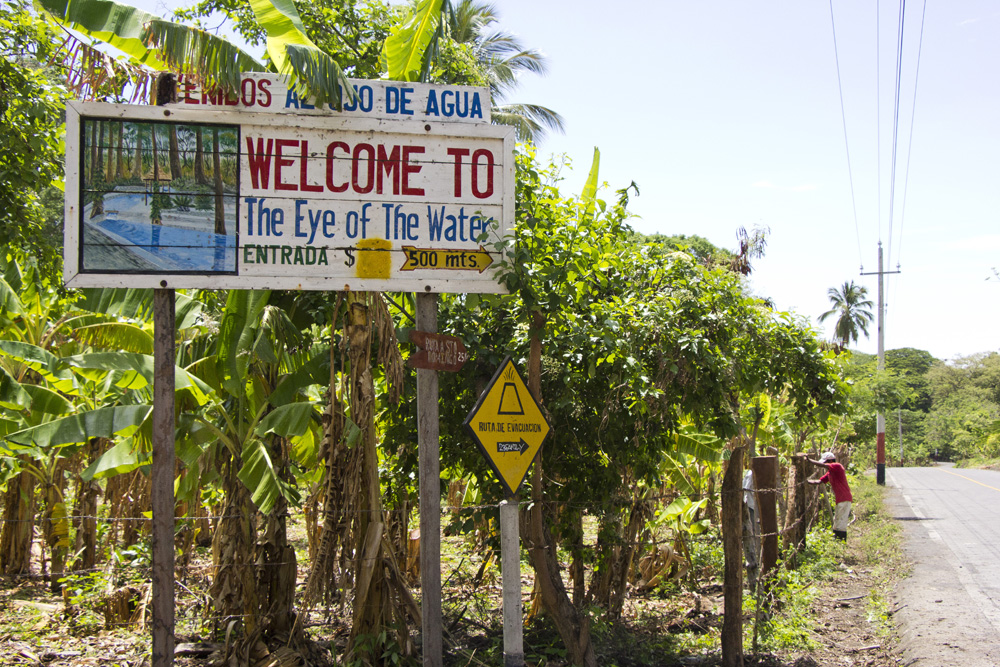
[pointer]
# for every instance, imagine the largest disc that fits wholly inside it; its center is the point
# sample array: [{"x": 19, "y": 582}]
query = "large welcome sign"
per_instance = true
[{"x": 192, "y": 195}]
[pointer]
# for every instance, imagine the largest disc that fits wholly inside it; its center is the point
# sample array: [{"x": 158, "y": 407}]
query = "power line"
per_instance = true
[
  {"x": 878, "y": 117},
  {"x": 895, "y": 116},
  {"x": 909, "y": 147},
  {"x": 843, "y": 118}
]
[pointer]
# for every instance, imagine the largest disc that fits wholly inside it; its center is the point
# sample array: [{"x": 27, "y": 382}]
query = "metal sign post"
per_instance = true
[
  {"x": 510, "y": 573},
  {"x": 510, "y": 428}
]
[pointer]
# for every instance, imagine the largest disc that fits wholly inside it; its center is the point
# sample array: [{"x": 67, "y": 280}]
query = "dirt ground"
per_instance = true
[
  {"x": 844, "y": 625},
  {"x": 849, "y": 623},
  {"x": 35, "y": 630}
]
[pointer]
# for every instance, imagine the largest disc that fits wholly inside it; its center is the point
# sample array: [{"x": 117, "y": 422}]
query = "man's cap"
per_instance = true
[{"x": 828, "y": 456}]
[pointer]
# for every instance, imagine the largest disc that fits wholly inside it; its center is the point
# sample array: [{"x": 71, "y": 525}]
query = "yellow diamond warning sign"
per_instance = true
[{"x": 508, "y": 425}]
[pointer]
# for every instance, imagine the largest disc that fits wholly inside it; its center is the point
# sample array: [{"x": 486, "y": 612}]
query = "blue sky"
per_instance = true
[{"x": 727, "y": 114}]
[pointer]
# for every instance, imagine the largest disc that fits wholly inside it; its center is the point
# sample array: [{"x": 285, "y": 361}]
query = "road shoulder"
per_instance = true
[{"x": 933, "y": 605}]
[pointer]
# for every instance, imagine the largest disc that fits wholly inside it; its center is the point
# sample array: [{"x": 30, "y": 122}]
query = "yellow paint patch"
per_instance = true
[{"x": 374, "y": 259}]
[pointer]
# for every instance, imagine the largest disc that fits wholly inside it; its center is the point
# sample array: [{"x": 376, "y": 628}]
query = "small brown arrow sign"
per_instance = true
[{"x": 439, "y": 352}]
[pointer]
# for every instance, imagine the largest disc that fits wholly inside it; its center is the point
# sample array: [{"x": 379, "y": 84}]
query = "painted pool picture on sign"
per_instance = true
[{"x": 158, "y": 197}]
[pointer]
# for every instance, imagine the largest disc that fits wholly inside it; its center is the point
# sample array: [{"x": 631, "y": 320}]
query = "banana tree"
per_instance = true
[
  {"x": 78, "y": 386},
  {"x": 31, "y": 315},
  {"x": 262, "y": 420},
  {"x": 150, "y": 44},
  {"x": 43, "y": 452},
  {"x": 52, "y": 397}
]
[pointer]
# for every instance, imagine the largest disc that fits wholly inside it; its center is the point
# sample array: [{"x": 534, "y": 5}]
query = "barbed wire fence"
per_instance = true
[{"x": 470, "y": 564}]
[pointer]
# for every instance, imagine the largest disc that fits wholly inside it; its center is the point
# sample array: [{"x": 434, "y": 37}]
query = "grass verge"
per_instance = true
[{"x": 880, "y": 546}]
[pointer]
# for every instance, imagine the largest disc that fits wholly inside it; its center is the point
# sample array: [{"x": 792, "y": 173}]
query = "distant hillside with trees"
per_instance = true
[{"x": 948, "y": 410}]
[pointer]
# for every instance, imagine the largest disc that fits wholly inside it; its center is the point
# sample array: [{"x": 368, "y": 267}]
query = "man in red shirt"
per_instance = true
[{"x": 837, "y": 477}]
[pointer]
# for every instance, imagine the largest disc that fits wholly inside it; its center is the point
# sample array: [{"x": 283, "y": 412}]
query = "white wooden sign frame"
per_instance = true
[{"x": 443, "y": 151}]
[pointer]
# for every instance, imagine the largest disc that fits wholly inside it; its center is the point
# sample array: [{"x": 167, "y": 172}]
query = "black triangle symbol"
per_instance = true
[{"x": 510, "y": 401}]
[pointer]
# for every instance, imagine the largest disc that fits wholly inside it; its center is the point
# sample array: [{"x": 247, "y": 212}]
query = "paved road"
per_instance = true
[{"x": 950, "y": 611}]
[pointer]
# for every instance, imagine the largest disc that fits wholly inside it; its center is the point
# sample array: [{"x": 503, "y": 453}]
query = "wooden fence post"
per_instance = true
[
  {"x": 162, "y": 477},
  {"x": 795, "y": 521},
  {"x": 765, "y": 475},
  {"x": 429, "y": 455},
  {"x": 732, "y": 547}
]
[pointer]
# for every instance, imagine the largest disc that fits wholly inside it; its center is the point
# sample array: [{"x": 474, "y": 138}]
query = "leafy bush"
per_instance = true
[{"x": 181, "y": 202}]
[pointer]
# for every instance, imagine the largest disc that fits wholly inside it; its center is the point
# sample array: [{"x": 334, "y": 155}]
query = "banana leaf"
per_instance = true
[
  {"x": 136, "y": 372},
  {"x": 243, "y": 309},
  {"x": 9, "y": 301},
  {"x": 316, "y": 370},
  {"x": 287, "y": 421},
  {"x": 116, "y": 336},
  {"x": 702, "y": 446},
  {"x": 261, "y": 478},
  {"x": 118, "y": 421},
  {"x": 406, "y": 46},
  {"x": 138, "y": 304},
  {"x": 43, "y": 362},
  {"x": 589, "y": 193},
  {"x": 120, "y": 459},
  {"x": 120, "y": 26},
  {"x": 312, "y": 71},
  {"x": 12, "y": 393},
  {"x": 47, "y": 402}
]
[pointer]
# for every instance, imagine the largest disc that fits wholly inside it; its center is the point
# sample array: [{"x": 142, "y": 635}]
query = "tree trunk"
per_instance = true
[
  {"x": 338, "y": 488},
  {"x": 137, "y": 166},
  {"x": 18, "y": 526},
  {"x": 573, "y": 627},
  {"x": 156, "y": 155},
  {"x": 732, "y": 545},
  {"x": 55, "y": 526},
  {"x": 97, "y": 174},
  {"x": 128, "y": 498},
  {"x": 795, "y": 519},
  {"x": 577, "y": 568},
  {"x": 85, "y": 510},
  {"x": 199, "y": 158},
  {"x": 234, "y": 589},
  {"x": 276, "y": 563},
  {"x": 220, "y": 202},
  {"x": 616, "y": 553},
  {"x": 371, "y": 614},
  {"x": 175, "y": 154},
  {"x": 765, "y": 477},
  {"x": 109, "y": 171},
  {"x": 94, "y": 162},
  {"x": 120, "y": 174},
  {"x": 155, "y": 215},
  {"x": 101, "y": 174}
]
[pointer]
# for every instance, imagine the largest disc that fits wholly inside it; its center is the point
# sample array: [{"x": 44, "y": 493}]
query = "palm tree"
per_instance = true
[
  {"x": 502, "y": 58},
  {"x": 413, "y": 47},
  {"x": 852, "y": 310}
]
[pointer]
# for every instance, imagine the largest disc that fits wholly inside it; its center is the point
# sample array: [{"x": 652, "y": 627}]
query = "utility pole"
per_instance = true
[{"x": 880, "y": 416}]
